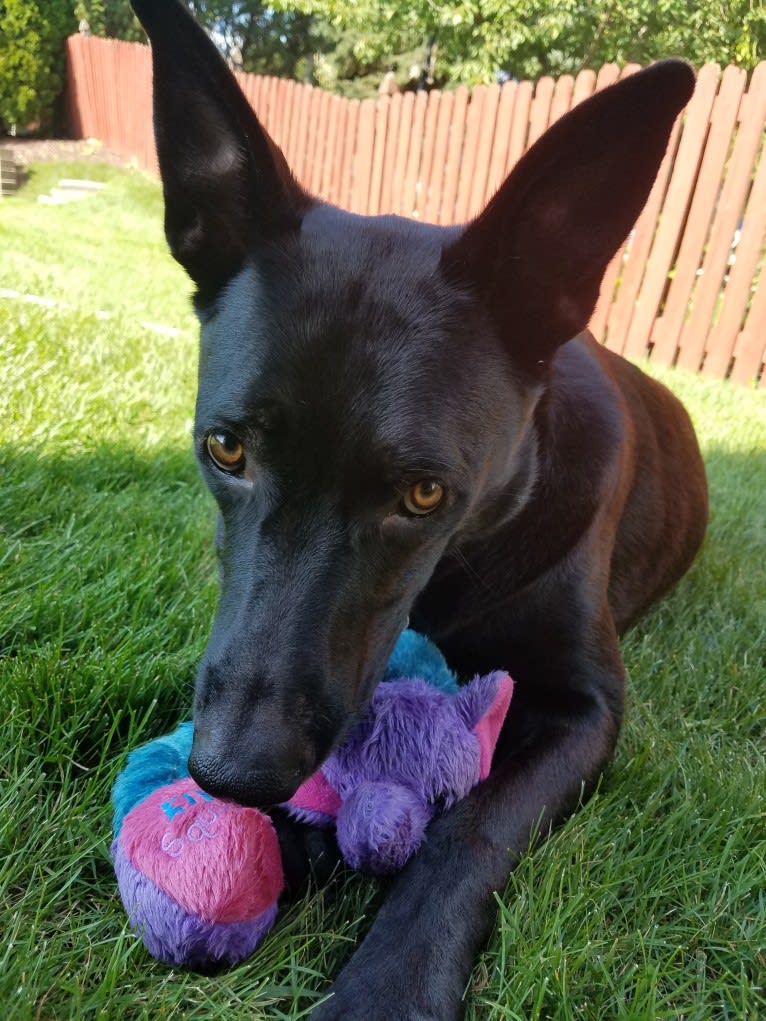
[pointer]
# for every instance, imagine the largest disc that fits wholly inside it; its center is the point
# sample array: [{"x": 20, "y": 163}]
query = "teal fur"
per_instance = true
[
  {"x": 151, "y": 766},
  {"x": 415, "y": 656}
]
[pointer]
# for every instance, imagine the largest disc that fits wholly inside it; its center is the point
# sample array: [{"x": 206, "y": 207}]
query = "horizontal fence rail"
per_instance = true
[{"x": 689, "y": 286}]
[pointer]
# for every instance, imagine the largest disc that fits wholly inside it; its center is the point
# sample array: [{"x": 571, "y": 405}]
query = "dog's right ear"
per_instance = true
[
  {"x": 226, "y": 184},
  {"x": 537, "y": 253}
]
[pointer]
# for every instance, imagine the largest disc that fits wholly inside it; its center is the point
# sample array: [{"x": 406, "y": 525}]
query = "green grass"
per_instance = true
[{"x": 649, "y": 904}]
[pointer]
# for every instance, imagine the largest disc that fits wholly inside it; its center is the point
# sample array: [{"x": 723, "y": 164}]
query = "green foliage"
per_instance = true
[
  {"x": 112, "y": 18},
  {"x": 354, "y": 71},
  {"x": 265, "y": 41},
  {"x": 32, "y": 64},
  {"x": 476, "y": 39}
]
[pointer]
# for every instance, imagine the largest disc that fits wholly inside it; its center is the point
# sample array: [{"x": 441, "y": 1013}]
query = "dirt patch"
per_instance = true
[{"x": 46, "y": 150}]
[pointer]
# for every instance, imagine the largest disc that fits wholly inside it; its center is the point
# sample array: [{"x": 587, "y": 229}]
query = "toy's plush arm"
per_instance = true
[
  {"x": 151, "y": 766},
  {"x": 486, "y": 722}
]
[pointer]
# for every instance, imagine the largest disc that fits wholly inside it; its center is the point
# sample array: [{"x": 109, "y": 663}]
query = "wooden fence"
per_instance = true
[{"x": 689, "y": 288}]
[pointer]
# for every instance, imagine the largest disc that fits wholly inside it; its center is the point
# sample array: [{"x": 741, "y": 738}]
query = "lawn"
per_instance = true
[{"x": 649, "y": 904}]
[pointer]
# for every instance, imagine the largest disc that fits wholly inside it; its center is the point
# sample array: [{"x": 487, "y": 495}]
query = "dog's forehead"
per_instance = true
[{"x": 351, "y": 306}]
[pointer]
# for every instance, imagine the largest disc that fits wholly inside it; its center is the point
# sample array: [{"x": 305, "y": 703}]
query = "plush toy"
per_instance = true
[{"x": 200, "y": 877}]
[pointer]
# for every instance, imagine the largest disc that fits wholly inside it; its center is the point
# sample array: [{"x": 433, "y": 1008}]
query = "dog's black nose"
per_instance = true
[
  {"x": 254, "y": 787},
  {"x": 234, "y": 770}
]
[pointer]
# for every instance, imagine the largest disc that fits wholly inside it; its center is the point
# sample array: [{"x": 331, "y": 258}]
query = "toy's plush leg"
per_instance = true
[
  {"x": 416, "y": 959},
  {"x": 380, "y": 826}
]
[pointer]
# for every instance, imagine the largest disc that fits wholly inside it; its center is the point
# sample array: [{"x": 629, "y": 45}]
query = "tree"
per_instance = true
[
  {"x": 257, "y": 37},
  {"x": 260, "y": 38},
  {"x": 32, "y": 63},
  {"x": 112, "y": 18},
  {"x": 478, "y": 39}
]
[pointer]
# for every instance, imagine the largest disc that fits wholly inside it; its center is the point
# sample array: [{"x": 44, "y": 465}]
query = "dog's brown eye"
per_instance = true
[
  {"x": 423, "y": 497},
  {"x": 226, "y": 451}
]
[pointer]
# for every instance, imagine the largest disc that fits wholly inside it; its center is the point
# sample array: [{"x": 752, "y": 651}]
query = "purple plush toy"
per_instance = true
[
  {"x": 415, "y": 750},
  {"x": 200, "y": 878}
]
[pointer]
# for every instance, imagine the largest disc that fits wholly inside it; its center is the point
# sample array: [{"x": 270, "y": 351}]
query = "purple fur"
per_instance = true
[
  {"x": 474, "y": 699},
  {"x": 413, "y": 735},
  {"x": 176, "y": 936},
  {"x": 380, "y": 826}
]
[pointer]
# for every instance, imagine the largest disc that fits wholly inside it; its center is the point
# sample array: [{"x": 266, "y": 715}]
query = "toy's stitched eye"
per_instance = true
[
  {"x": 424, "y": 497},
  {"x": 226, "y": 451}
]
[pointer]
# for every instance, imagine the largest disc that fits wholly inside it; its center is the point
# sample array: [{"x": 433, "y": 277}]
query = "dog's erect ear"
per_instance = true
[
  {"x": 539, "y": 250},
  {"x": 226, "y": 183}
]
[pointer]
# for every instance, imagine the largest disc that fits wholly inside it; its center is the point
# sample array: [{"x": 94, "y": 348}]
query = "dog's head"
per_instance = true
[{"x": 366, "y": 386}]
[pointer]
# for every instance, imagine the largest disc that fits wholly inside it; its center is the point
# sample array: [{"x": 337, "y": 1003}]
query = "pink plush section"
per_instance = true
[
  {"x": 217, "y": 860},
  {"x": 317, "y": 795},
  {"x": 488, "y": 728}
]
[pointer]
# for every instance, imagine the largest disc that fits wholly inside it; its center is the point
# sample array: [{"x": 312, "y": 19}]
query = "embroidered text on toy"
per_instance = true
[
  {"x": 204, "y": 827},
  {"x": 171, "y": 808}
]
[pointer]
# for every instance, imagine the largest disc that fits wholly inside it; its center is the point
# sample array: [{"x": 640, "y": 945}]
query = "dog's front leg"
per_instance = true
[{"x": 415, "y": 961}]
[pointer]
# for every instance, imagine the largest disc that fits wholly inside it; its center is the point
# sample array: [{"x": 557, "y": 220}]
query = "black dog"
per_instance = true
[{"x": 403, "y": 420}]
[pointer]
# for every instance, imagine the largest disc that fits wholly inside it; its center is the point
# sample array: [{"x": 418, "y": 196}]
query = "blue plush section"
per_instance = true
[
  {"x": 151, "y": 766},
  {"x": 415, "y": 656}
]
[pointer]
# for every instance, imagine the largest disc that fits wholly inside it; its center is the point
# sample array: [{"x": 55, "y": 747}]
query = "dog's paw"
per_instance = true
[
  {"x": 338, "y": 1008},
  {"x": 375, "y": 998}
]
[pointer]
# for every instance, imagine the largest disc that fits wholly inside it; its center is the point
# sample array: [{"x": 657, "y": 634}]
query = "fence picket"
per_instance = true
[
  {"x": 738, "y": 293},
  {"x": 447, "y": 206},
  {"x": 414, "y": 150},
  {"x": 470, "y": 146},
  {"x": 728, "y": 214},
  {"x": 349, "y": 148},
  {"x": 501, "y": 138},
  {"x": 561, "y": 102},
  {"x": 389, "y": 162},
  {"x": 750, "y": 348},
  {"x": 674, "y": 210},
  {"x": 722, "y": 122},
  {"x": 427, "y": 154},
  {"x": 584, "y": 86},
  {"x": 520, "y": 127},
  {"x": 378, "y": 154},
  {"x": 479, "y": 188},
  {"x": 402, "y": 153},
  {"x": 435, "y": 183},
  {"x": 540, "y": 110}
]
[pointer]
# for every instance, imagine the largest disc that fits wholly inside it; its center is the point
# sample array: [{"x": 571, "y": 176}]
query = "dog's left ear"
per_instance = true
[
  {"x": 539, "y": 250},
  {"x": 226, "y": 183}
]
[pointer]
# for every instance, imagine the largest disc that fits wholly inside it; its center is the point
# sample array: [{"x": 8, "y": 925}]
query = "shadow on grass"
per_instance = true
[{"x": 107, "y": 590}]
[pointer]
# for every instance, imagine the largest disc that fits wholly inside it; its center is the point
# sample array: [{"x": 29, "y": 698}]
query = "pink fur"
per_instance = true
[
  {"x": 217, "y": 860},
  {"x": 488, "y": 728},
  {"x": 317, "y": 795}
]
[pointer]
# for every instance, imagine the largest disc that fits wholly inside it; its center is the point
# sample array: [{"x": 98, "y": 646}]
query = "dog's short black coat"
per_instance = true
[{"x": 356, "y": 371}]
